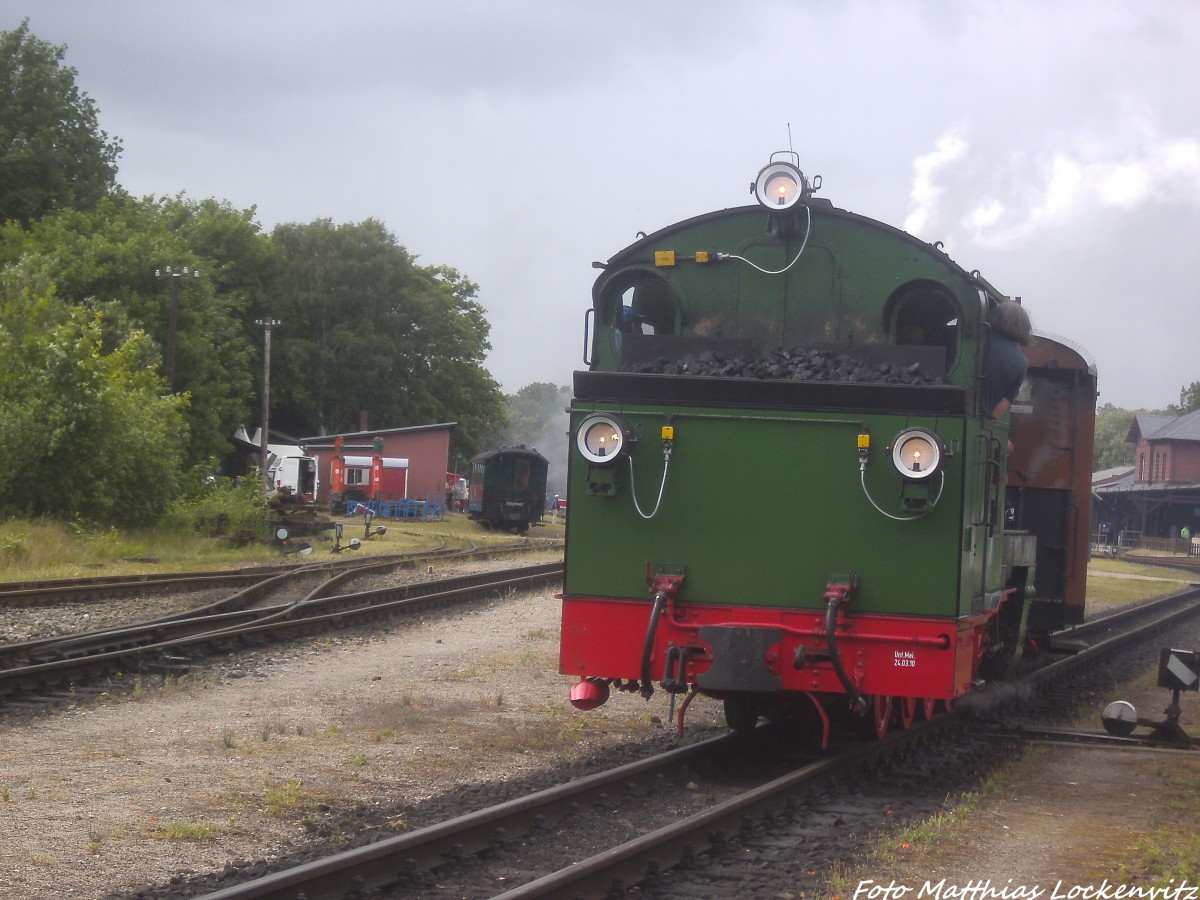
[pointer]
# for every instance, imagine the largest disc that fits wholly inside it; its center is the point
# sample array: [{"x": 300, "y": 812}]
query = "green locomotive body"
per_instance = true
[{"x": 781, "y": 480}]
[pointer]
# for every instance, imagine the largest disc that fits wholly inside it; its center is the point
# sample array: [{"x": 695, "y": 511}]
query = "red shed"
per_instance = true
[{"x": 413, "y": 461}]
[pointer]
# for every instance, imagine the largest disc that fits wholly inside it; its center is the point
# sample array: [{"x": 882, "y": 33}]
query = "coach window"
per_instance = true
[{"x": 925, "y": 315}]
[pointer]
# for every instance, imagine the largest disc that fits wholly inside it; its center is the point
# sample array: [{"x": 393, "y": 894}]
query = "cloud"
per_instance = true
[{"x": 1006, "y": 201}]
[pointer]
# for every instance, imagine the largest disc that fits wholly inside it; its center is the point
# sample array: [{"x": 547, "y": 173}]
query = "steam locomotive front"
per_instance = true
[{"x": 779, "y": 481}]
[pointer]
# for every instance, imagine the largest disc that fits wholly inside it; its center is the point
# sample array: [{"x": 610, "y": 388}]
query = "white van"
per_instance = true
[{"x": 293, "y": 472}]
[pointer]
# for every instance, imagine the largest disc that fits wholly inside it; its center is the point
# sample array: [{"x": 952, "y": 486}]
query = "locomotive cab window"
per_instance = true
[
  {"x": 642, "y": 313},
  {"x": 649, "y": 307},
  {"x": 926, "y": 316}
]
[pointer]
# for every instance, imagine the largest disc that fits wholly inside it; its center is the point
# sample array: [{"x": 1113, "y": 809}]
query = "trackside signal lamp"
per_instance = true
[
  {"x": 917, "y": 454},
  {"x": 603, "y": 439}
]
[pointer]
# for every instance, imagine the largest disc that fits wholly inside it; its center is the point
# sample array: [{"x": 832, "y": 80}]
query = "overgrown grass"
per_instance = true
[
  {"x": 289, "y": 797},
  {"x": 1131, "y": 567},
  {"x": 185, "y": 831},
  {"x": 1107, "y": 588},
  {"x": 32, "y": 550},
  {"x": 42, "y": 549}
]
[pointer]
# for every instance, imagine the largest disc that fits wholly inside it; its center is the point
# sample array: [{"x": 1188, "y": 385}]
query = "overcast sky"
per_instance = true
[{"x": 1054, "y": 146}]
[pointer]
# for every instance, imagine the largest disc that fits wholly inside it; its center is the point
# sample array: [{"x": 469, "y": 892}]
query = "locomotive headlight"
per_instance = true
[
  {"x": 780, "y": 186},
  {"x": 917, "y": 453},
  {"x": 603, "y": 440}
]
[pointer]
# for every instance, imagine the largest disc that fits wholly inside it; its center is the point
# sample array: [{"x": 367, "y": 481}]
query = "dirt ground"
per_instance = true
[
  {"x": 1065, "y": 822},
  {"x": 238, "y": 762}
]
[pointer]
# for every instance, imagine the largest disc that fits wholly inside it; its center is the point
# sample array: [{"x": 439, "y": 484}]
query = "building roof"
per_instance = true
[
  {"x": 1159, "y": 488},
  {"x": 1181, "y": 428},
  {"x": 1112, "y": 476},
  {"x": 1145, "y": 424},
  {"x": 323, "y": 440}
]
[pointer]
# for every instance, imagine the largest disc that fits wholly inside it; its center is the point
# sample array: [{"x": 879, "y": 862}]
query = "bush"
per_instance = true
[
  {"x": 88, "y": 431},
  {"x": 14, "y": 547},
  {"x": 233, "y": 510}
]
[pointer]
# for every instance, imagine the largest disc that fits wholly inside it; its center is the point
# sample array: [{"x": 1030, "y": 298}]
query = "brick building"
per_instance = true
[
  {"x": 1160, "y": 494},
  {"x": 421, "y": 451}
]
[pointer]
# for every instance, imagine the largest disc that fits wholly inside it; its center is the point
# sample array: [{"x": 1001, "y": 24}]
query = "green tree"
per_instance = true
[
  {"x": 366, "y": 329},
  {"x": 53, "y": 154},
  {"x": 1110, "y": 449},
  {"x": 537, "y": 417},
  {"x": 86, "y": 430},
  {"x": 109, "y": 255},
  {"x": 1189, "y": 399}
]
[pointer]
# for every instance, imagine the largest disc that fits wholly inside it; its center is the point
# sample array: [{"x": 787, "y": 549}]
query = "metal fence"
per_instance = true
[{"x": 1103, "y": 544}]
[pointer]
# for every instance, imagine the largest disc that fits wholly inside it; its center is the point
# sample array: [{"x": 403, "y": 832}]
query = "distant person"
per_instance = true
[
  {"x": 1006, "y": 364},
  {"x": 630, "y": 321},
  {"x": 627, "y": 324}
]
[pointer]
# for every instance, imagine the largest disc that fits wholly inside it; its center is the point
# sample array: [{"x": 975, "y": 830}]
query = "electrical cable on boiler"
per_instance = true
[
  {"x": 662, "y": 487},
  {"x": 862, "y": 477},
  {"x": 799, "y": 253}
]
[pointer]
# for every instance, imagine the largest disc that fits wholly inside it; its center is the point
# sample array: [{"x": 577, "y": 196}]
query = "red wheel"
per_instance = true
[
  {"x": 879, "y": 715},
  {"x": 928, "y": 708},
  {"x": 907, "y": 711}
]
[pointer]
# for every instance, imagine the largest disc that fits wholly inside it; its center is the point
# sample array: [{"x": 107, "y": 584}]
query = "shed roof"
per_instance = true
[{"x": 1111, "y": 476}]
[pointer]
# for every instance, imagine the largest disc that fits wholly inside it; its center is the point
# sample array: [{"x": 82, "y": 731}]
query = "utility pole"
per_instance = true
[
  {"x": 176, "y": 275},
  {"x": 266, "y": 324}
]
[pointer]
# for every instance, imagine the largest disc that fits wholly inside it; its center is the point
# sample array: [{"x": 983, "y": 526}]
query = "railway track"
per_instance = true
[
  {"x": 753, "y": 808},
  {"x": 103, "y": 587},
  {"x": 98, "y": 588},
  {"x": 313, "y": 598},
  {"x": 262, "y": 584}
]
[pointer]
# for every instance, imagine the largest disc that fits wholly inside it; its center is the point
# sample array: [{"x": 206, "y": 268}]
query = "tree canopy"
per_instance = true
[
  {"x": 53, "y": 154},
  {"x": 537, "y": 418},
  {"x": 110, "y": 254},
  {"x": 1110, "y": 449},
  {"x": 1189, "y": 399},
  {"x": 85, "y": 430},
  {"x": 364, "y": 328}
]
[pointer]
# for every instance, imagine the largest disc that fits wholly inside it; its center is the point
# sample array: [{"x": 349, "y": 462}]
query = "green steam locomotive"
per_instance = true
[{"x": 786, "y": 487}]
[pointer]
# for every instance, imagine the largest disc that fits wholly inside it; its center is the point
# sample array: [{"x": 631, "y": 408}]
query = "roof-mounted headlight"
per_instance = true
[
  {"x": 917, "y": 453},
  {"x": 603, "y": 439},
  {"x": 780, "y": 185}
]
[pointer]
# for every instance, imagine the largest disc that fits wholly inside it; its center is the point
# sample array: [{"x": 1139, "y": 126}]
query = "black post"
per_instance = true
[
  {"x": 266, "y": 398},
  {"x": 175, "y": 275}
]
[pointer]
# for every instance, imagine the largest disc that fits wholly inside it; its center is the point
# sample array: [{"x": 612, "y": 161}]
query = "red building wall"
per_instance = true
[
  {"x": 1171, "y": 462},
  {"x": 426, "y": 447},
  {"x": 1185, "y": 456}
]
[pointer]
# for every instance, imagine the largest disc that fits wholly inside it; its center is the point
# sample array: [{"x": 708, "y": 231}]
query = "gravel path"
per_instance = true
[{"x": 252, "y": 755}]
